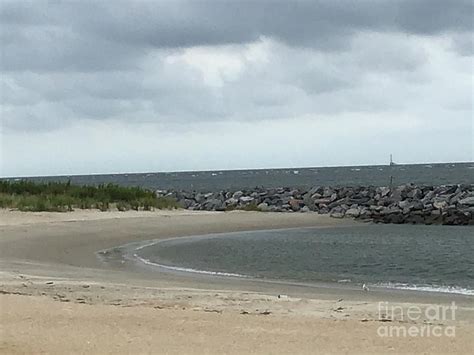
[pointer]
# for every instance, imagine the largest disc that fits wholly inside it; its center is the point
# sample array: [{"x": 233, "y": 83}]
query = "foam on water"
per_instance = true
[
  {"x": 185, "y": 269},
  {"x": 428, "y": 288}
]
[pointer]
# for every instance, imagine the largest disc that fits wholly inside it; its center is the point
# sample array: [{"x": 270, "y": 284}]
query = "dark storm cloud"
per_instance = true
[
  {"x": 312, "y": 23},
  {"x": 433, "y": 16},
  {"x": 104, "y": 35},
  {"x": 63, "y": 61}
]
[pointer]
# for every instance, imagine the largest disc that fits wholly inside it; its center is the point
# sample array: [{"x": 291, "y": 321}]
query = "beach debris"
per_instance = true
[
  {"x": 381, "y": 319},
  {"x": 339, "y": 309},
  {"x": 244, "y": 312},
  {"x": 365, "y": 287},
  {"x": 2, "y": 292},
  {"x": 283, "y": 297},
  {"x": 61, "y": 298},
  {"x": 50, "y": 283},
  {"x": 116, "y": 302},
  {"x": 213, "y": 310},
  {"x": 265, "y": 313}
]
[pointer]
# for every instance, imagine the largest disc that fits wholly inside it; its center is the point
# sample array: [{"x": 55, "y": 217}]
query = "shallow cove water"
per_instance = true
[{"x": 429, "y": 258}]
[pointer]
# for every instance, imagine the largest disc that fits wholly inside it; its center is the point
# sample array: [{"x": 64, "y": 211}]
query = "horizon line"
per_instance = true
[{"x": 228, "y": 170}]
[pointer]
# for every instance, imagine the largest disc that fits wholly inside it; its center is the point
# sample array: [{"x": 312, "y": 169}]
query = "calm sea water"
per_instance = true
[
  {"x": 431, "y": 258},
  {"x": 460, "y": 173}
]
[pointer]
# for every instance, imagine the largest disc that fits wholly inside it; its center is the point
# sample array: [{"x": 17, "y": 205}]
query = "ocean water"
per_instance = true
[
  {"x": 429, "y": 258},
  {"x": 378, "y": 175}
]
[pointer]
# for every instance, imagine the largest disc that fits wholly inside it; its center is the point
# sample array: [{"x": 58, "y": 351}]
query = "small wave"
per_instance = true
[
  {"x": 344, "y": 281},
  {"x": 185, "y": 269},
  {"x": 428, "y": 288}
]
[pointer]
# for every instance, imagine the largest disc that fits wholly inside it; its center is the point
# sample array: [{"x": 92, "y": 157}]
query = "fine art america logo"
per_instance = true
[{"x": 426, "y": 321}]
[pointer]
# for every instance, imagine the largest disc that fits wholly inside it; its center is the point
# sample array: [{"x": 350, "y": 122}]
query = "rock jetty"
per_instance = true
[{"x": 446, "y": 204}]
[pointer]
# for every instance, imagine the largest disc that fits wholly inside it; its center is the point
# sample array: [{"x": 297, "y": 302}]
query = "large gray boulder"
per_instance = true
[
  {"x": 384, "y": 191},
  {"x": 214, "y": 205},
  {"x": 231, "y": 202},
  {"x": 440, "y": 204},
  {"x": 390, "y": 210},
  {"x": 237, "y": 194},
  {"x": 246, "y": 199},
  {"x": 468, "y": 201},
  {"x": 337, "y": 212},
  {"x": 322, "y": 201},
  {"x": 353, "y": 212}
]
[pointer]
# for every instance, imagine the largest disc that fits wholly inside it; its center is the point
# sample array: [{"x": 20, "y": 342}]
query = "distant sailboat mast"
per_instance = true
[
  {"x": 391, "y": 161},
  {"x": 391, "y": 176}
]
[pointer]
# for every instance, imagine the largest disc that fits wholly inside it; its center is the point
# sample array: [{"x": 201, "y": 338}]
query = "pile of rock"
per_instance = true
[{"x": 447, "y": 204}]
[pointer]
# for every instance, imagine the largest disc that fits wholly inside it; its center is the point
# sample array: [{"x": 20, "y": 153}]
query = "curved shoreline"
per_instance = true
[
  {"x": 73, "y": 245},
  {"x": 130, "y": 252},
  {"x": 72, "y": 239}
]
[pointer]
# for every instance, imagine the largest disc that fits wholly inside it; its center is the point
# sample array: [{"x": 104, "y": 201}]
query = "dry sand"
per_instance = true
[{"x": 57, "y": 297}]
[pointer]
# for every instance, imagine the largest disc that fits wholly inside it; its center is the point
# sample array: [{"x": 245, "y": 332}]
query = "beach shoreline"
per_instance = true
[
  {"x": 130, "y": 254},
  {"x": 48, "y": 261}
]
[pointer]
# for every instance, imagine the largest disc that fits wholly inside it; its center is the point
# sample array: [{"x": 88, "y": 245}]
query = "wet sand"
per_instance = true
[{"x": 58, "y": 297}]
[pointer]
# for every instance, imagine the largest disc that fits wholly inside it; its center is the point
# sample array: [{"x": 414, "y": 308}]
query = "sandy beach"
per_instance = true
[{"x": 57, "y": 296}]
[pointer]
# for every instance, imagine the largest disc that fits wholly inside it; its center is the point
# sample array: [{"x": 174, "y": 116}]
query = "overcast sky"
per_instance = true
[{"x": 111, "y": 86}]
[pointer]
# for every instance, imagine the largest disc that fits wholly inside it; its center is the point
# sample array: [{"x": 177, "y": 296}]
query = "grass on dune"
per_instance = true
[{"x": 27, "y": 195}]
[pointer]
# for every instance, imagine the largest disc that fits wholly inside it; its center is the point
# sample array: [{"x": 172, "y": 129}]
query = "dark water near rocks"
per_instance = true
[
  {"x": 430, "y": 258},
  {"x": 208, "y": 181}
]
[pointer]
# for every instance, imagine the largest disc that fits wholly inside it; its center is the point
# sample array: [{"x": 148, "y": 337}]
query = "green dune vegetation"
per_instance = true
[{"x": 26, "y": 195}]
